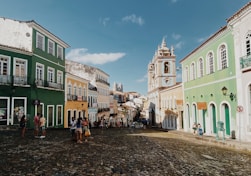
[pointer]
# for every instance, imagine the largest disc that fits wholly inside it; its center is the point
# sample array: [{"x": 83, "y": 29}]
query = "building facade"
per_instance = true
[
  {"x": 206, "y": 70},
  {"x": 98, "y": 79},
  {"x": 161, "y": 75},
  {"x": 76, "y": 98},
  {"x": 216, "y": 80},
  {"x": 103, "y": 87},
  {"x": 32, "y": 66},
  {"x": 240, "y": 23},
  {"x": 171, "y": 107},
  {"x": 92, "y": 104}
]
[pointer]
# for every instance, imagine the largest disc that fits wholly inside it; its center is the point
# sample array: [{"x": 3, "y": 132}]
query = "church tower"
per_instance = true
[
  {"x": 161, "y": 75},
  {"x": 162, "y": 68}
]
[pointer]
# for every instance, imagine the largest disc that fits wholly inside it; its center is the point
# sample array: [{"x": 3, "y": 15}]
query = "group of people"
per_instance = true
[
  {"x": 79, "y": 128},
  {"x": 197, "y": 129},
  {"x": 39, "y": 125}
]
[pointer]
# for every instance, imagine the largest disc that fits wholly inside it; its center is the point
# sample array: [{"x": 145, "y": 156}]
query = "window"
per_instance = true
[
  {"x": 223, "y": 57},
  {"x": 59, "y": 52},
  {"x": 51, "y": 47},
  {"x": 50, "y": 77},
  {"x": 20, "y": 67},
  {"x": 210, "y": 64},
  {"x": 166, "y": 67},
  {"x": 84, "y": 91},
  {"x": 80, "y": 91},
  {"x": 201, "y": 68},
  {"x": 186, "y": 77},
  {"x": 59, "y": 114},
  {"x": 69, "y": 89},
  {"x": 40, "y": 41},
  {"x": 248, "y": 38},
  {"x": 192, "y": 71},
  {"x": 60, "y": 77},
  {"x": 39, "y": 72},
  {"x": 20, "y": 71},
  {"x": 4, "y": 65},
  {"x": 75, "y": 90}
]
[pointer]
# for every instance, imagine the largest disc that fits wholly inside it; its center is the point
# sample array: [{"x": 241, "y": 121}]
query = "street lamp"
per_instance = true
[{"x": 231, "y": 95}]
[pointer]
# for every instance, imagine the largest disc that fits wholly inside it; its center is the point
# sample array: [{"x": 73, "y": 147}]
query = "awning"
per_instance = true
[
  {"x": 202, "y": 105},
  {"x": 167, "y": 112}
]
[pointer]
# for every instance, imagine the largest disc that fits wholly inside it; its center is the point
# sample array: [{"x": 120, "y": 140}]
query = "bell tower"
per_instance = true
[{"x": 162, "y": 68}]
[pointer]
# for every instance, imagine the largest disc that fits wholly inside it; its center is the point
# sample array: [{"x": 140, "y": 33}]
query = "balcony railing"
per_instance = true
[
  {"x": 102, "y": 81},
  {"x": 245, "y": 61},
  {"x": 20, "y": 80},
  {"x": 55, "y": 85},
  {"x": 5, "y": 79},
  {"x": 39, "y": 82},
  {"x": 76, "y": 97}
]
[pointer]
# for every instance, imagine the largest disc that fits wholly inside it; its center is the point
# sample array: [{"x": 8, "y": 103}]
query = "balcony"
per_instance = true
[
  {"x": 102, "y": 81},
  {"x": 84, "y": 98},
  {"x": 5, "y": 79},
  {"x": 39, "y": 82},
  {"x": 55, "y": 85},
  {"x": 20, "y": 80},
  {"x": 245, "y": 62}
]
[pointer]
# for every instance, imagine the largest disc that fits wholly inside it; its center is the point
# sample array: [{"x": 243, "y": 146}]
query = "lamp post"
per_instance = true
[{"x": 231, "y": 95}]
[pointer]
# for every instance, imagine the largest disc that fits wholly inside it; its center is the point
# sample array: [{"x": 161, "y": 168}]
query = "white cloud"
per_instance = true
[
  {"x": 81, "y": 55},
  {"x": 104, "y": 21},
  {"x": 134, "y": 19},
  {"x": 176, "y": 36},
  {"x": 179, "y": 45},
  {"x": 143, "y": 79}
]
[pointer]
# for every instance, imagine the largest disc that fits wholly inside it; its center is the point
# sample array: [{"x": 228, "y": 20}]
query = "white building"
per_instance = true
[
  {"x": 240, "y": 23},
  {"x": 161, "y": 75}
]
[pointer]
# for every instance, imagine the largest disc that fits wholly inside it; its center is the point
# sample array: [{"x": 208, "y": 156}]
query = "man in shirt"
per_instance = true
[{"x": 42, "y": 126}]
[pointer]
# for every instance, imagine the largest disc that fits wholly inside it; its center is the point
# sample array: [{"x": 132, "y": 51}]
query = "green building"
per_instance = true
[
  {"x": 32, "y": 68},
  {"x": 206, "y": 70}
]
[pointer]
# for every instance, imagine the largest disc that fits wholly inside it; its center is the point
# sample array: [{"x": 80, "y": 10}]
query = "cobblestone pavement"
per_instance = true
[{"x": 114, "y": 152}]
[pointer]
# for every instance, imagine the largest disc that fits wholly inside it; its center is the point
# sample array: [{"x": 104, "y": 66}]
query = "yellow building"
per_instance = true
[{"x": 76, "y": 98}]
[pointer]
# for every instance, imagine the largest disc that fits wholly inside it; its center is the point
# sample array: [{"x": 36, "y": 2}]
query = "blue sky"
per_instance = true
[{"x": 120, "y": 36}]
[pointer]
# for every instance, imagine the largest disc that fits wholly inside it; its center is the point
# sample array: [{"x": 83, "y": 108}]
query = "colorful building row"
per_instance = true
[{"x": 35, "y": 77}]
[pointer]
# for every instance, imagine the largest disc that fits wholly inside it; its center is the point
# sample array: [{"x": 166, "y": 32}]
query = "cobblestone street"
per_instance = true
[{"x": 111, "y": 152}]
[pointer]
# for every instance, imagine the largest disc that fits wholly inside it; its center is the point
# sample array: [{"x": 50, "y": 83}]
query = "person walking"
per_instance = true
[
  {"x": 85, "y": 124},
  {"x": 36, "y": 124},
  {"x": 23, "y": 125},
  {"x": 194, "y": 128},
  {"x": 79, "y": 130},
  {"x": 73, "y": 128},
  {"x": 42, "y": 126}
]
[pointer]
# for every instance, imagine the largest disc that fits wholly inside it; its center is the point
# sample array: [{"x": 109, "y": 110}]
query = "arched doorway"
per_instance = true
[
  {"x": 227, "y": 118},
  {"x": 213, "y": 117}
]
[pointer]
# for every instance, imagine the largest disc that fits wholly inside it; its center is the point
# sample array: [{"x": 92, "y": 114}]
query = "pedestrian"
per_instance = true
[
  {"x": 42, "y": 126},
  {"x": 200, "y": 131},
  {"x": 36, "y": 125},
  {"x": 118, "y": 123},
  {"x": 194, "y": 128},
  {"x": 86, "y": 131},
  {"x": 79, "y": 130},
  {"x": 102, "y": 122},
  {"x": 23, "y": 125},
  {"x": 73, "y": 128}
]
